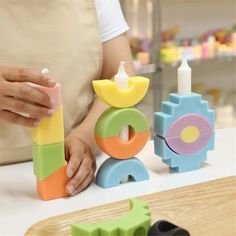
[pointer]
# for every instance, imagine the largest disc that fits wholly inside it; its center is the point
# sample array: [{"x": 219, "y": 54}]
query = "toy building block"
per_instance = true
[
  {"x": 53, "y": 92},
  {"x": 50, "y": 130},
  {"x": 165, "y": 228},
  {"x": 112, "y": 171},
  {"x": 108, "y": 128},
  {"x": 54, "y": 185},
  {"x": 184, "y": 132},
  {"x": 47, "y": 159},
  {"x": 110, "y": 93},
  {"x": 136, "y": 222}
]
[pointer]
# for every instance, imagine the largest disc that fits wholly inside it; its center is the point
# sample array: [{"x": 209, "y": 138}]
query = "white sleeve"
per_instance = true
[{"x": 111, "y": 20}]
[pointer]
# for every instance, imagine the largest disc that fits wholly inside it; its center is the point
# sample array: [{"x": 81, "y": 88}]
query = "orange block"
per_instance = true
[
  {"x": 54, "y": 185},
  {"x": 114, "y": 147}
]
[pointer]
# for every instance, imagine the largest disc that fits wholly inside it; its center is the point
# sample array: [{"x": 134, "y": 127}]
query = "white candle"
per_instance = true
[
  {"x": 122, "y": 80},
  {"x": 184, "y": 78}
]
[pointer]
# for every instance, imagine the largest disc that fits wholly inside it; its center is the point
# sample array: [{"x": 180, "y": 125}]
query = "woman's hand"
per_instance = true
[
  {"x": 81, "y": 164},
  {"x": 16, "y": 96}
]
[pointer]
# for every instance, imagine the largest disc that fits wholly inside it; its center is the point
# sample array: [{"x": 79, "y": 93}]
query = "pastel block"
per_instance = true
[
  {"x": 177, "y": 106},
  {"x": 53, "y": 92},
  {"x": 178, "y": 162},
  {"x": 50, "y": 129},
  {"x": 184, "y": 131},
  {"x": 112, "y": 171},
  {"x": 116, "y": 148},
  {"x": 47, "y": 159},
  {"x": 113, "y": 120},
  {"x": 54, "y": 185},
  {"x": 110, "y": 93},
  {"x": 136, "y": 223},
  {"x": 180, "y": 137}
]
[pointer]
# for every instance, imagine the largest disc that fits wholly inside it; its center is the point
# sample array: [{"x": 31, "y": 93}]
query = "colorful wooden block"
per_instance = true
[
  {"x": 136, "y": 223},
  {"x": 112, "y": 171},
  {"x": 47, "y": 159},
  {"x": 108, "y": 129},
  {"x": 50, "y": 129},
  {"x": 184, "y": 131},
  {"x": 110, "y": 93},
  {"x": 53, "y": 92},
  {"x": 54, "y": 185}
]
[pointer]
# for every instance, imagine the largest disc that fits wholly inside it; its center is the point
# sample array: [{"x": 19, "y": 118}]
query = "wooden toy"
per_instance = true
[
  {"x": 121, "y": 131},
  {"x": 48, "y": 150},
  {"x": 112, "y": 171},
  {"x": 136, "y": 223},
  {"x": 108, "y": 128},
  {"x": 185, "y": 127}
]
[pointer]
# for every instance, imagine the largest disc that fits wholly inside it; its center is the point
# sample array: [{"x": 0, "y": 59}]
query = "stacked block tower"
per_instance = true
[
  {"x": 121, "y": 131},
  {"x": 185, "y": 127},
  {"x": 48, "y": 150}
]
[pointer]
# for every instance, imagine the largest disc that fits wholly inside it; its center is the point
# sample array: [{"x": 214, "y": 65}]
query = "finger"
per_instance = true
[
  {"x": 83, "y": 171},
  {"x": 85, "y": 183},
  {"x": 75, "y": 160},
  {"x": 16, "y": 105},
  {"x": 26, "y": 75},
  {"x": 28, "y": 93},
  {"x": 18, "y": 119}
]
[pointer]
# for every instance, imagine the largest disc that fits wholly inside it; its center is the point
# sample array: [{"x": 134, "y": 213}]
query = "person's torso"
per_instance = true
[{"x": 61, "y": 35}]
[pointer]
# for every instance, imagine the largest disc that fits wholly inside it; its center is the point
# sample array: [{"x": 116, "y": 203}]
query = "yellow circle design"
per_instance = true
[{"x": 190, "y": 134}]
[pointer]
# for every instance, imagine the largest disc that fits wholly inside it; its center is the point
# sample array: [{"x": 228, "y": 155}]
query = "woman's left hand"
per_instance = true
[{"x": 81, "y": 164}]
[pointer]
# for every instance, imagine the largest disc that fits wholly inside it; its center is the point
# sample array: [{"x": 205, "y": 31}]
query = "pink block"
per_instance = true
[{"x": 53, "y": 92}]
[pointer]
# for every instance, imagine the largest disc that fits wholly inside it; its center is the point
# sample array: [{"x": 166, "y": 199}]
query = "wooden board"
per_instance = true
[{"x": 203, "y": 209}]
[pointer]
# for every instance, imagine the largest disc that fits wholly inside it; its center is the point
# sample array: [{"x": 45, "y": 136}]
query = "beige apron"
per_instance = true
[{"x": 61, "y": 35}]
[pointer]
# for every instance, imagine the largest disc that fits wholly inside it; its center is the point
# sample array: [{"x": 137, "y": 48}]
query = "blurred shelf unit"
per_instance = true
[{"x": 162, "y": 31}]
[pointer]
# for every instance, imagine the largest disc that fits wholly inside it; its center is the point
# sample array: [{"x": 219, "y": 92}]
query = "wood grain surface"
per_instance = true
[{"x": 203, "y": 209}]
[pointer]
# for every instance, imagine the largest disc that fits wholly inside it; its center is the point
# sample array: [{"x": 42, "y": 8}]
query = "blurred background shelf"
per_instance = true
[{"x": 157, "y": 25}]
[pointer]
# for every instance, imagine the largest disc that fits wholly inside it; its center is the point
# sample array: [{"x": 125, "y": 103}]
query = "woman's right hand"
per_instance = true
[{"x": 16, "y": 96}]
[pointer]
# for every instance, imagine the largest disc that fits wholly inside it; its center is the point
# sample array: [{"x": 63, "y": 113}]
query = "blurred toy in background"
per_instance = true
[
  {"x": 220, "y": 43},
  {"x": 211, "y": 44}
]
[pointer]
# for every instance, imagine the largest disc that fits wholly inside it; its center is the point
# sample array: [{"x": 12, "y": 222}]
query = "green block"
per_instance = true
[
  {"x": 135, "y": 223},
  {"x": 113, "y": 120},
  {"x": 47, "y": 159}
]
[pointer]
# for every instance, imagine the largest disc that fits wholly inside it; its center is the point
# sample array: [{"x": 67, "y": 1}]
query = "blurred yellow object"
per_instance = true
[{"x": 168, "y": 55}]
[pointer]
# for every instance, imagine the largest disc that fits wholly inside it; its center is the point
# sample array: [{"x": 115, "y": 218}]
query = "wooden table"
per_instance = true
[{"x": 203, "y": 209}]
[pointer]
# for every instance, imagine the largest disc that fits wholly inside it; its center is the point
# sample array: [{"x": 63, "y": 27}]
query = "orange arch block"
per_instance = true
[
  {"x": 54, "y": 185},
  {"x": 114, "y": 147}
]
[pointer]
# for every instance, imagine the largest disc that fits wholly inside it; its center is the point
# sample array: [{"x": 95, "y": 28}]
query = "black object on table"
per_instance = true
[{"x": 165, "y": 228}]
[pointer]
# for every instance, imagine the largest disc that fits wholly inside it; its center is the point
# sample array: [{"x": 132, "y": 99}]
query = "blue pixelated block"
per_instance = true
[
  {"x": 179, "y": 105},
  {"x": 113, "y": 170},
  {"x": 182, "y": 163}
]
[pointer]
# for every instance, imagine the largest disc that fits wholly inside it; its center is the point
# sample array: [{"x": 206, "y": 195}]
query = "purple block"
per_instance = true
[{"x": 173, "y": 136}]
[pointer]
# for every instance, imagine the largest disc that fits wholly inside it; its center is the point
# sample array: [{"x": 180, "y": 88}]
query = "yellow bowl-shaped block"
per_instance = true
[
  {"x": 50, "y": 129},
  {"x": 110, "y": 93}
]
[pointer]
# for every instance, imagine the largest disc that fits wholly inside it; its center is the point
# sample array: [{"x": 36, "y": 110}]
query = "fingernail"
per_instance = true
[
  {"x": 51, "y": 82},
  {"x": 70, "y": 189},
  {"x": 36, "y": 123},
  {"x": 50, "y": 112}
]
